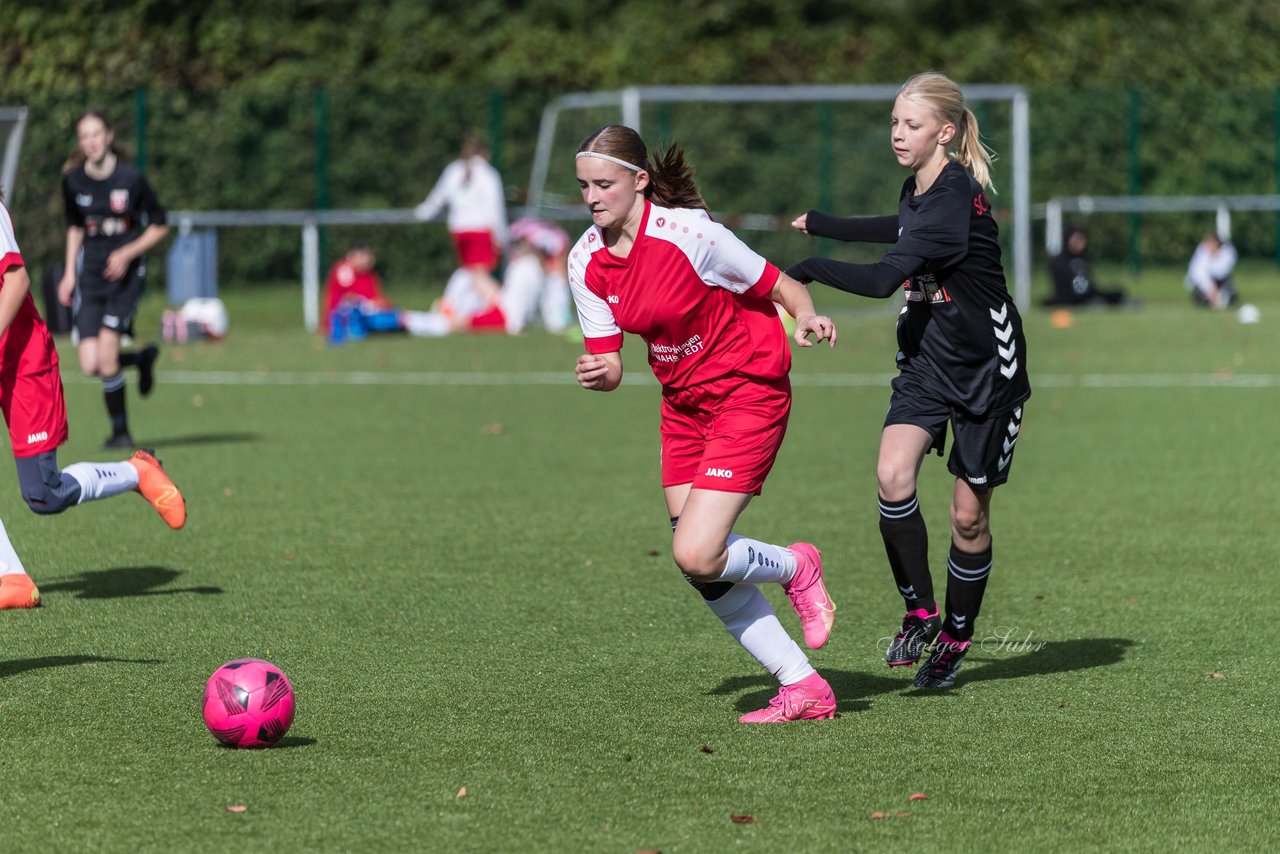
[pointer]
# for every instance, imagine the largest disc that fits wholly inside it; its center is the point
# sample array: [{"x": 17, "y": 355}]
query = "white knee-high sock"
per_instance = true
[
  {"x": 753, "y": 562},
  {"x": 749, "y": 617},
  {"x": 10, "y": 563},
  {"x": 102, "y": 480}
]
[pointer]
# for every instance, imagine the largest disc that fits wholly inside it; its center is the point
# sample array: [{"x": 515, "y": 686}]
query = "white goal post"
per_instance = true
[
  {"x": 1222, "y": 206},
  {"x": 629, "y": 101},
  {"x": 15, "y": 118}
]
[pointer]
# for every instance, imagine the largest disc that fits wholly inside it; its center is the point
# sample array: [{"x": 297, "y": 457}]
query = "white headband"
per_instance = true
[{"x": 611, "y": 159}]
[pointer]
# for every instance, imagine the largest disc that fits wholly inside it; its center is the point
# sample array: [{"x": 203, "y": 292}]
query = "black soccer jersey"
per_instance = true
[
  {"x": 959, "y": 319},
  {"x": 112, "y": 212}
]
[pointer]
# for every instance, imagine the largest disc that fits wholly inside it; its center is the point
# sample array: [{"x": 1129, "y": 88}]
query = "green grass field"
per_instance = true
[{"x": 462, "y": 562}]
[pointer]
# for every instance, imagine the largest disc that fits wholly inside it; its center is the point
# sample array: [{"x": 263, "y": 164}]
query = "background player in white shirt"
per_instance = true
[
  {"x": 654, "y": 264},
  {"x": 1209, "y": 273},
  {"x": 477, "y": 217}
]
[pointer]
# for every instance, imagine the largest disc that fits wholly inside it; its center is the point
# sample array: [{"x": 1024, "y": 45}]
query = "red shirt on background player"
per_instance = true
[
  {"x": 654, "y": 264},
  {"x": 353, "y": 278}
]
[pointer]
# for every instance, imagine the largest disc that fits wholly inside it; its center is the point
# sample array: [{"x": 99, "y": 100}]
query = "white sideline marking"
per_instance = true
[{"x": 554, "y": 378}]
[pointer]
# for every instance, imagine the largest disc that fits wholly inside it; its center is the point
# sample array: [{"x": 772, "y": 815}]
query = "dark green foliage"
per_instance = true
[{"x": 232, "y": 118}]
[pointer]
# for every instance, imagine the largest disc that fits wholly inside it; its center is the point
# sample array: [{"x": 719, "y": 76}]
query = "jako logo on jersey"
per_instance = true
[
  {"x": 612, "y": 299},
  {"x": 119, "y": 200},
  {"x": 718, "y": 473},
  {"x": 32, "y": 438}
]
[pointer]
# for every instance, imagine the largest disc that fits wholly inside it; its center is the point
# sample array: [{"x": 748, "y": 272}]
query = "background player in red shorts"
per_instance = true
[
  {"x": 31, "y": 399},
  {"x": 477, "y": 218},
  {"x": 654, "y": 264}
]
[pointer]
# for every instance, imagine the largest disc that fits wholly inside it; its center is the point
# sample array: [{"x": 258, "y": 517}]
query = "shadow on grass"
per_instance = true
[
  {"x": 1052, "y": 657},
  {"x": 853, "y": 689},
  {"x": 200, "y": 439},
  {"x": 22, "y": 665},
  {"x": 123, "y": 582},
  {"x": 287, "y": 743}
]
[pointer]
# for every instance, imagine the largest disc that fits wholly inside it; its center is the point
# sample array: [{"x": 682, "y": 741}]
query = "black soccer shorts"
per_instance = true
[
  {"x": 102, "y": 304},
  {"x": 982, "y": 450}
]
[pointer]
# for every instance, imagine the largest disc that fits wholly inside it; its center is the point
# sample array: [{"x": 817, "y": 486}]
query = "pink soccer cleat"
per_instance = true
[
  {"x": 809, "y": 699},
  {"x": 808, "y": 594}
]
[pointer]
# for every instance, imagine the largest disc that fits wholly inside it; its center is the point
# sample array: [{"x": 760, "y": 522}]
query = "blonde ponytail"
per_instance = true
[{"x": 972, "y": 153}]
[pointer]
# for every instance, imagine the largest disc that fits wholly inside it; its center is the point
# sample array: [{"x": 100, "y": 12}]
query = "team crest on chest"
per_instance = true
[{"x": 119, "y": 201}]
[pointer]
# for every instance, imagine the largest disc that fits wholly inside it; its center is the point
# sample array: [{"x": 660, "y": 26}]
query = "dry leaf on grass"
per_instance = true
[
  {"x": 1216, "y": 675},
  {"x": 706, "y": 749},
  {"x": 462, "y": 793},
  {"x": 237, "y": 808},
  {"x": 918, "y": 796},
  {"x": 738, "y": 818},
  {"x": 877, "y": 815}
]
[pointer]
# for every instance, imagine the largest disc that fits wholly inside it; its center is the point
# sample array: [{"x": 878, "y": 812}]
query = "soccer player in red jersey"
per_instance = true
[
  {"x": 962, "y": 360},
  {"x": 32, "y": 403},
  {"x": 354, "y": 280},
  {"x": 653, "y": 263}
]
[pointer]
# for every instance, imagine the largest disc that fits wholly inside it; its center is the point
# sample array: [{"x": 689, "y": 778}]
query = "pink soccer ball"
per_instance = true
[{"x": 248, "y": 703}]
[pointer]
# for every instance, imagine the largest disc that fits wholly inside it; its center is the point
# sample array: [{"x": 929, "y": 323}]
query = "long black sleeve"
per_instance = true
[
  {"x": 869, "y": 280},
  {"x": 859, "y": 229}
]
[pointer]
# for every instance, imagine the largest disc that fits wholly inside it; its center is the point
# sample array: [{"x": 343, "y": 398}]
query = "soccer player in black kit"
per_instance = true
[
  {"x": 113, "y": 215},
  {"x": 962, "y": 360}
]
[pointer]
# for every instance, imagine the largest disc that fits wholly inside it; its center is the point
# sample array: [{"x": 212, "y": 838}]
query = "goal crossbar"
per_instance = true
[{"x": 629, "y": 101}]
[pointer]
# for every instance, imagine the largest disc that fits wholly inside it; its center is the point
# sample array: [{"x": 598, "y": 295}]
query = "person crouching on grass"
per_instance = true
[
  {"x": 32, "y": 402},
  {"x": 654, "y": 264}
]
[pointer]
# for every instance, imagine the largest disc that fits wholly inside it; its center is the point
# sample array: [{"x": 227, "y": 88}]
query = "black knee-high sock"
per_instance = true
[
  {"x": 966, "y": 582},
  {"x": 906, "y": 542},
  {"x": 113, "y": 393}
]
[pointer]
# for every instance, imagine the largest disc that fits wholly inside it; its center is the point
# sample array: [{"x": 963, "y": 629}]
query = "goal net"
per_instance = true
[{"x": 764, "y": 154}]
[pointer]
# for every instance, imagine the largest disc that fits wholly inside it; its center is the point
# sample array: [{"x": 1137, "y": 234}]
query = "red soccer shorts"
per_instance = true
[
  {"x": 490, "y": 320},
  {"x": 724, "y": 435},
  {"x": 35, "y": 412},
  {"x": 475, "y": 249}
]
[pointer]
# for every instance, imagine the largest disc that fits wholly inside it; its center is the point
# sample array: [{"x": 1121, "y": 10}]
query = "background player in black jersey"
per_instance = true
[
  {"x": 113, "y": 215},
  {"x": 962, "y": 360}
]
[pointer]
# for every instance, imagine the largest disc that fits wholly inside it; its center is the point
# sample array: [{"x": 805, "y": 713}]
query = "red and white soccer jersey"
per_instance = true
[
  {"x": 696, "y": 294},
  {"x": 30, "y": 385}
]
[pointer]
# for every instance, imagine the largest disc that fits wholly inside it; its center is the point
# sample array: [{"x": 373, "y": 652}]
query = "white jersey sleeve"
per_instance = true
[
  {"x": 441, "y": 193},
  {"x": 594, "y": 314},
  {"x": 8, "y": 242},
  {"x": 720, "y": 258}
]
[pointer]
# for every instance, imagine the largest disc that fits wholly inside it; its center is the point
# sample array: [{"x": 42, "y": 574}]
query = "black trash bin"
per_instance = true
[{"x": 56, "y": 315}]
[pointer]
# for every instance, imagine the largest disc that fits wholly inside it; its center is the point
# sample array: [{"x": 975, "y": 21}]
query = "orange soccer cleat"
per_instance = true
[
  {"x": 17, "y": 590},
  {"x": 155, "y": 486}
]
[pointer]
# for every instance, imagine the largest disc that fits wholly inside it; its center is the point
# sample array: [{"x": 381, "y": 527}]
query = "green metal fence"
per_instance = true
[{"x": 347, "y": 148}]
